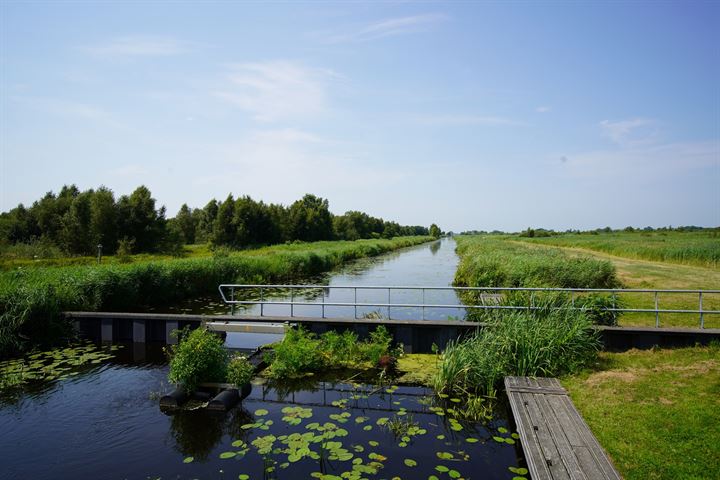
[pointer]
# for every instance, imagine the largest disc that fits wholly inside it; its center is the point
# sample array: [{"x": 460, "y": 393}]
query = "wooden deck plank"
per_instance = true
[{"x": 557, "y": 442}]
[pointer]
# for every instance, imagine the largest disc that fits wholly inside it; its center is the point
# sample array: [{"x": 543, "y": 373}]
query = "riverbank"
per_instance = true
[{"x": 31, "y": 299}]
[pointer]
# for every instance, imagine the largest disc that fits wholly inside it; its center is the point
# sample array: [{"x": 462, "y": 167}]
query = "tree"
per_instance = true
[
  {"x": 104, "y": 220},
  {"x": 224, "y": 226},
  {"x": 186, "y": 224},
  {"x": 435, "y": 231},
  {"x": 140, "y": 221},
  {"x": 309, "y": 219},
  {"x": 75, "y": 231}
]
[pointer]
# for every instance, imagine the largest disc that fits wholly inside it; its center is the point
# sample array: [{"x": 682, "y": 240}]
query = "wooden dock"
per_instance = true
[{"x": 556, "y": 441}]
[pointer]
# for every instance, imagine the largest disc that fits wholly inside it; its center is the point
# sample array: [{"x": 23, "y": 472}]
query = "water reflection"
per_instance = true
[{"x": 196, "y": 433}]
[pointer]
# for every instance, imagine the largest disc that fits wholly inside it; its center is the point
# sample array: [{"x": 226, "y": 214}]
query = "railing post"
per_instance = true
[
  {"x": 423, "y": 304},
  {"x": 232, "y": 299},
  {"x": 323, "y": 302},
  {"x": 388, "y": 303},
  {"x": 657, "y": 314},
  {"x": 355, "y": 301},
  {"x": 572, "y": 299},
  {"x": 262, "y": 301},
  {"x": 702, "y": 320},
  {"x": 292, "y": 302}
]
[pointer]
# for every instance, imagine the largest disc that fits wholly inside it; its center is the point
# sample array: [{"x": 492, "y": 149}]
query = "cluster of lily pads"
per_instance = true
[
  {"x": 57, "y": 364},
  {"x": 328, "y": 442}
]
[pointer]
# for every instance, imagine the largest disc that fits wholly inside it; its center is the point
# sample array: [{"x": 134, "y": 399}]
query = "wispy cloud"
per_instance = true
[
  {"x": 139, "y": 45},
  {"x": 385, "y": 28},
  {"x": 276, "y": 90},
  {"x": 543, "y": 109},
  {"x": 629, "y": 131},
  {"x": 452, "y": 119}
]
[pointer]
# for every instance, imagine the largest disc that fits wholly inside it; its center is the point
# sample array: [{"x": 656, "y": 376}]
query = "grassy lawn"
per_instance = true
[
  {"x": 634, "y": 273},
  {"x": 656, "y": 412}
]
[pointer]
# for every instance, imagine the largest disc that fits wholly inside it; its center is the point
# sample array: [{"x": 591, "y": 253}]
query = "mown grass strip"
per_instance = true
[{"x": 656, "y": 412}]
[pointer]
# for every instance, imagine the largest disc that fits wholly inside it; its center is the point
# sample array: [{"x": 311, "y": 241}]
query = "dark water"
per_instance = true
[
  {"x": 432, "y": 264},
  {"x": 105, "y": 423}
]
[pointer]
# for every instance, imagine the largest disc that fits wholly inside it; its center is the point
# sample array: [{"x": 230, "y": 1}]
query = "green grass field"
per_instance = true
[
  {"x": 656, "y": 412},
  {"x": 645, "y": 274},
  {"x": 700, "y": 248}
]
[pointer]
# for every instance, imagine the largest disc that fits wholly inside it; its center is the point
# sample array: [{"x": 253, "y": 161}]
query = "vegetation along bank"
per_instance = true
[{"x": 31, "y": 299}]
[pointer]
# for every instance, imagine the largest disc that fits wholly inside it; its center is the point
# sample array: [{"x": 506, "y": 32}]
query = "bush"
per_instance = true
[
  {"x": 547, "y": 343},
  {"x": 302, "y": 352},
  {"x": 239, "y": 371},
  {"x": 200, "y": 356}
]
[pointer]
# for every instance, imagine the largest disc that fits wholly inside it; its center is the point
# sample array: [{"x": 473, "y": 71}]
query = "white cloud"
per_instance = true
[
  {"x": 67, "y": 108},
  {"x": 386, "y": 28},
  {"x": 466, "y": 120},
  {"x": 276, "y": 90},
  {"x": 543, "y": 109},
  {"x": 629, "y": 131},
  {"x": 140, "y": 45}
]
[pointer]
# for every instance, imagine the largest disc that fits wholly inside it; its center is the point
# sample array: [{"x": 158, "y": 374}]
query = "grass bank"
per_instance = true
[
  {"x": 32, "y": 298},
  {"x": 493, "y": 261},
  {"x": 656, "y": 412},
  {"x": 646, "y": 274},
  {"x": 689, "y": 248}
]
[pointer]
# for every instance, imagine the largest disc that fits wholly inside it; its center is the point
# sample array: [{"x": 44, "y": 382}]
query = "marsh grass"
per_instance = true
[
  {"x": 494, "y": 262},
  {"x": 540, "y": 343},
  {"x": 31, "y": 299}
]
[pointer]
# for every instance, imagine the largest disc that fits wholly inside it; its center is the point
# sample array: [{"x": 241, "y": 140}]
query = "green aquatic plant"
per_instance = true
[
  {"x": 200, "y": 356},
  {"x": 239, "y": 371},
  {"x": 518, "y": 343}
]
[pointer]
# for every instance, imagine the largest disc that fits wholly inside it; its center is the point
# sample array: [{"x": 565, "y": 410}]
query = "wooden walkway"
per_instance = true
[{"x": 556, "y": 441}]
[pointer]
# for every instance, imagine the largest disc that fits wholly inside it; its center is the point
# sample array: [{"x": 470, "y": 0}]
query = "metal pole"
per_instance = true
[
  {"x": 323, "y": 303},
  {"x": 355, "y": 302},
  {"x": 388, "y": 303},
  {"x": 232, "y": 299},
  {"x": 292, "y": 301},
  {"x": 657, "y": 314},
  {"x": 262, "y": 301},
  {"x": 702, "y": 320},
  {"x": 423, "y": 304}
]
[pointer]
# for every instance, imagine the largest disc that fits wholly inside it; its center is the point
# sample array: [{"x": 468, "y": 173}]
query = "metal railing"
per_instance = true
[{"x": 229, "y": 294}]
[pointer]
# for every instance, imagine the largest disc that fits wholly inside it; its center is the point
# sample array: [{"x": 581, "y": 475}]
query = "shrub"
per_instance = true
[
  {"x": 239, "y": 371},
  {"x": 547, "y": 343},
  {"x": 200, "y": 356},
  {"x": 303, "y": 352}
]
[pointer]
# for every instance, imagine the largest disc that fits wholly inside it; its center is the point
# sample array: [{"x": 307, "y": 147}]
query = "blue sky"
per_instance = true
[{"x": 474, "y": 115}]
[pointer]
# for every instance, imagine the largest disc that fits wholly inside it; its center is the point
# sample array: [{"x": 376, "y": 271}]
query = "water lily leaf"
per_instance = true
[
  {"x": 225, "y": 455},
  {"x": 367, "y": 428},
  {"x": 440, "y": 437},
  {"x": 410, "y": 462},
  {"x": 188, "y": 459},
  {"x": 373, "y": 443},
  {"x": 499, "y": 439},
  {"x": 471, "y": 440},
  {"x": 445, "y": 455},
  {"x": 510, "y": 441},
  {"x": 261, "y": 412},
  {"x": 503, "y": 430},
  {"x": 454, "y": 474},
  {"x": 243, "y": 476},
  {"x": 442, "y": 468}
]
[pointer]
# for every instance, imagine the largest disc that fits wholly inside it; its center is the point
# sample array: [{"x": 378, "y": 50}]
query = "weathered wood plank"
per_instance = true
[{"x": 557, "y": 442}]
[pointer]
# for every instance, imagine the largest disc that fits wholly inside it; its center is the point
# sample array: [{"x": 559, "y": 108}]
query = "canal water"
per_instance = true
[
  {"x": 84, "y": 413},
  {"x": 429, "y": 265}
]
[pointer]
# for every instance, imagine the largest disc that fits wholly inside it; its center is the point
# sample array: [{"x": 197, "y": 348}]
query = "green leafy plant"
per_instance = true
[
  {"x": 200, "y": 356},
  {"x": 239, "y": 371}
]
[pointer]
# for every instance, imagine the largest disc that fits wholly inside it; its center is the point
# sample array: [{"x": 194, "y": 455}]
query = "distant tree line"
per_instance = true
[
  {"x": 76, "y": 222},
  {"x": 543, "y": 232}
]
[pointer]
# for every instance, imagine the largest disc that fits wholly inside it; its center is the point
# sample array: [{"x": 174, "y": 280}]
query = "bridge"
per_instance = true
[{"x": 404, "y": 310}]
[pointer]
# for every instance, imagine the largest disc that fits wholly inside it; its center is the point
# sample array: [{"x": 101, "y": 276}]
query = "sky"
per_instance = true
[{"x": 473, "y": 115}]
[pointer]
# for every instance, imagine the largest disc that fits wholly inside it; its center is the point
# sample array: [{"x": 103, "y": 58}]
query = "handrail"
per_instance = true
[{"x": 232, "y": 301}]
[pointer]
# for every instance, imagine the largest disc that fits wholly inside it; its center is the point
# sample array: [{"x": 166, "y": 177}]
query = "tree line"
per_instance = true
[{"x": 77, "y": 222}]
